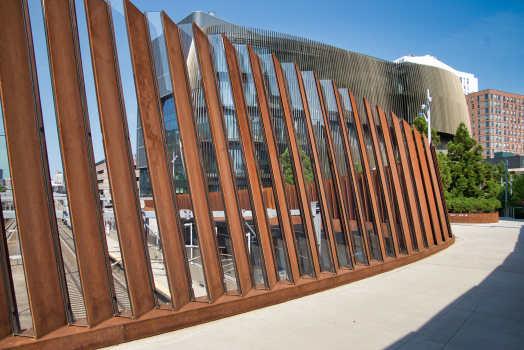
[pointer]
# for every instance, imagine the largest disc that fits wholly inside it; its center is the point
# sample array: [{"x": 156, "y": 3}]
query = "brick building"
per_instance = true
[{"x": 497, "y": 121}]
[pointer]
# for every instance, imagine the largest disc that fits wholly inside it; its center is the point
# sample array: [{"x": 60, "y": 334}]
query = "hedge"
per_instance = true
[{"x": 473, "y": 205}]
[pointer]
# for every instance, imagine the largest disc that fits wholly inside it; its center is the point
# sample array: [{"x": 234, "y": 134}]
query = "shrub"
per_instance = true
[{"x": 473, "y": 205}]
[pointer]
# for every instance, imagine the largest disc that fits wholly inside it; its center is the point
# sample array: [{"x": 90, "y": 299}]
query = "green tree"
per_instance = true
[
  {"x": 469, "y": 184},
  {"x": 421, "y": 125},
  {"x": 287, "y": 169},
  {"x": 2, "y": 188}
]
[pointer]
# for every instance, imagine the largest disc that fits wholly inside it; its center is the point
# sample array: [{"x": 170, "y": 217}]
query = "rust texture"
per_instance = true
[
  {"x": 299, "y": 172},
  {"x": 367, "y": 174},
  {"x": 415, "y": 183},
  {"x": 419, "y": 183},
  {"x": 408, "y": 181},
  {"x": 436, "y": 189},
  {"x": 334, "y": 170},
  {"x": 278, "y": 180},
  {"x": 396, "y": 187},
  {"x": 192, "y": 156},
  {"x": 157, "y": 155},
  {"x": 78, "y": 160},
  {"x": 441, "y": 188},
  {"x": 227, "y": 179},
  {"x": 428, "y": 186},
  {"x": 351, "y": 170},
  {"x": 113, "y": 122},
  {"x": 474, "y": 218},
  {"x": 381, "y": 173},
  {"x": 328, "y": 225},
  {"x": 259, "y": 209},
  {"x": 30, "y": 172}
]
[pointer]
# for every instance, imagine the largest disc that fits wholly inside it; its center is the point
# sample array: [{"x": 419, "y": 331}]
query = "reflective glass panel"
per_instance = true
[
  {"x": 345, "y": 177},
  {"x": 236, "y": 151},
  {"x": 377, "y": 185},
  {"x": 307, "y": 161},
  {"x": 216, "y": 199},
  {"x": 363, "y": 192},
  {"x": 286, "y": 164},
  {"x": 264, "y": 166},
  {"x": 321, "y": 138}
]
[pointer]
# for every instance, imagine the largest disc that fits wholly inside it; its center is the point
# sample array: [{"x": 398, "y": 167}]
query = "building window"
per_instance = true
[{"x": 100, "y": 171}]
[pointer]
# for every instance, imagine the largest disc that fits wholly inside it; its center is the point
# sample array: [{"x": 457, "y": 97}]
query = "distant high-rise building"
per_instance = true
[
  {"x": 58, "y": 179},
  {"x": 497, "y": 121},
  {"x": 468, "y": 81}
]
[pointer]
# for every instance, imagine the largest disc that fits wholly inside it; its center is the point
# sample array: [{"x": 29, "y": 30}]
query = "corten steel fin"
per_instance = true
[
  {"x": 227, "y": 178},
  {"x": 157, "y": 156},
  {"x": 367, "y": 174},
  {"x": 118, "y": 153},
  {"x": 441, "y": 190},
  {"x": 430, "y": 196},
  {"x": 7, "y": 292},
  {"x": 29, "y": 170},
  {"x": 408, "y": 181},
  {"x": 396, "y": 189},
  {"x": 300, "y": 182},
  {"x": 436, "y": 189},
  {"x": 259, "y": 208},
  {"x": 381, "y": 173},
  {"x": 78, "y": 161},
  {"x": 351, "y": 171},
  {"x": 192, "y": 156},
  {"x": 344, "y": 215},
  {"x": 319, "y": 178},
  {"x": 278, "y": 180},
  {"x": 418, "y": 183}
]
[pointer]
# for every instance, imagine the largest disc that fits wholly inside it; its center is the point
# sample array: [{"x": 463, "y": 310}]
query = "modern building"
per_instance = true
[
  {"x": 469, "y": 83},
  {"x": 497, "y": 121},
  {"x": 515, "y": 162},
  {"x": 58, "y": 178},
  {"x": 102, "y": 177},
  {"x": 398, "y": 86}
]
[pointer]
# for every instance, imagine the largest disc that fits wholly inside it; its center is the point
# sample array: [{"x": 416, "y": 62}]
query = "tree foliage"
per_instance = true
[
  {"x": 421, "y": 125},
  {"x": 288, "y": 170},
  {"x": 469, "y": 184}
]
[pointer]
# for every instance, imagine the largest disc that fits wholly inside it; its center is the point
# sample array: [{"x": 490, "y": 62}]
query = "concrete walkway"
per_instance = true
[{"x": 470, "y": 296}]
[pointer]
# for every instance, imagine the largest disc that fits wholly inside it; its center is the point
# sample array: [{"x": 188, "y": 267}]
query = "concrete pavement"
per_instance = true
[{"x": 469, "y": 296}]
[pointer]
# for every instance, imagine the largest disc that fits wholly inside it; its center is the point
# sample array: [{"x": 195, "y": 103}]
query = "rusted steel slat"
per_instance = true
[
  {"x": 35, "y": 210},
  {"x": 351, "y": 171},
  {"x": 381, "y": 170},
  {"x": 78, "y": 163},
  {"x": 419, "y": 183},
  {"x": 367, "y": 174},
  {"x": 192, "y": 157},
  {"x": 278, "y": 180},
  {"x": 259, "y": 209},
  {"x": 441, "y": 190},
  {"x": 227, "y": 179},
  {"x": 118, "y": 152},
  {"x": 157, "y": 155},
  {"x": 318, "y": 174},
  {"x": 435, "y": 188},
  {"x": 430, "y": 196},
  {"x": 408, "y": 181},
  {"x": 299, "y": 173},
  {"x": 344, "y": 215},
  {"x": 396, "y": 189}
]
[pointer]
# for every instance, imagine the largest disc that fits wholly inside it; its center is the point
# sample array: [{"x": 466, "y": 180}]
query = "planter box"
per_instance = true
[{"x": 473, "y": 218}]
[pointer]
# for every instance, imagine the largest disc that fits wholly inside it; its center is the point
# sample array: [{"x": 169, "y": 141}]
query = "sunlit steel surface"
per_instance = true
[{"x": 291, "y": 185}]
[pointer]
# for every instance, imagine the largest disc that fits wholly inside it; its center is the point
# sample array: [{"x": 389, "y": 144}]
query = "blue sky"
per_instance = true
[{"x": 480, "y": 37}]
